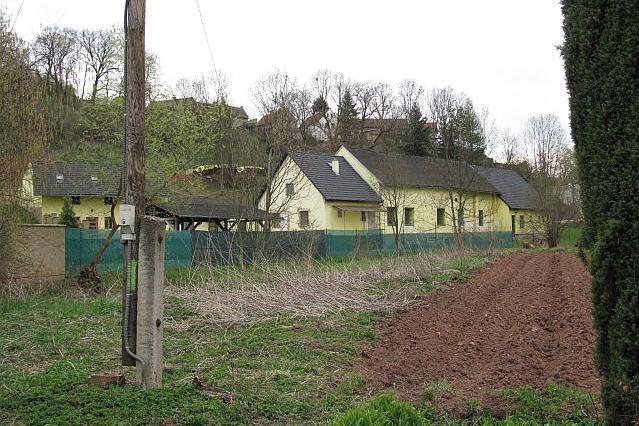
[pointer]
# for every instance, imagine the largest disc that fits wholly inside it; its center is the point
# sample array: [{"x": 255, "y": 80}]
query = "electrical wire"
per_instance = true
[
  {"x": 208, "y": 44},
  {"x": 15, "y": 18}
]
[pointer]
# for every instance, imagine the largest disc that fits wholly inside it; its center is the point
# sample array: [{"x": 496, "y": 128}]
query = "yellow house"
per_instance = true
[
  {"x": 92, "y": 189},
  {"x": 359, "y": 189},
  {"x": 523, "y": 201},
  {"x": 429, "y": 195},
  {"x": 320, "y": 191}
]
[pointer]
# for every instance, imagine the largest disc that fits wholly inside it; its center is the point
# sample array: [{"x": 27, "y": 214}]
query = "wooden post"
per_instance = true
[
  {"x": 150, "y": 304},
  {"x": 133, "y": 189}
]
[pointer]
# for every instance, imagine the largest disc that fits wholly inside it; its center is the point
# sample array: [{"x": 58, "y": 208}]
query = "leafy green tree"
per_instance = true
[
  {"x": 418, "y": 141},
  {"x": 601, "y": 54},
  {"x": 67, "y": 215}
]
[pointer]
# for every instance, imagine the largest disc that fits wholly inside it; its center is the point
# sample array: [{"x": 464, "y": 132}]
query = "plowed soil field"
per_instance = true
[{"x": 523, "y": 321}]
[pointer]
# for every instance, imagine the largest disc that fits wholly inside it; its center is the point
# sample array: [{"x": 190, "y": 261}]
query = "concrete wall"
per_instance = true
[{"x": 41, "y": 253}]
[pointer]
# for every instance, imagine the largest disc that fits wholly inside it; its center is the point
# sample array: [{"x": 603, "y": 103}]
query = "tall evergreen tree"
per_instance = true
[
  {"x": 346, "y": 116},
  {"x": 601, "y": 54},
  {"x": 319, "y": 105},
  {"x": 67, "y": 216},
  {"x": 418, "y": 139},
  {"x": 471, "y": 139}
]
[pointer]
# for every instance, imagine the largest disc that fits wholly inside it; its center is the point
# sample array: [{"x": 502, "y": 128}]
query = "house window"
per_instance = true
[
  {"x": 304, "y": 220},
  {"x": 409, "y": 216},
  {"x": 522, "y": 222},
  {"x": 481, "y": 218},
  {"x": 90, "y": 223},
  {"x": 391, "y": 216},
  {"x": 340, "y": 213},
  {"x": 108, "y": 201},
  {"x": 363, "y": 218},
  {"x": 441, "y": 217},
  {"x": 107, "y": 222},
  {"x": 290, "y": 189},
  {"x": 75, "y": 199}
]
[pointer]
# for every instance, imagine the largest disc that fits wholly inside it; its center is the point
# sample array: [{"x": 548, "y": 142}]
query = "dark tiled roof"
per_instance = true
[
  {"x": 404, "y": 170},
  {"x": 77, "y": 178},
  {"x": 239, "y": 112},
  {"x": 314, "y": 119},
  {"x": 513, "y": 188},
  {"x": 210, "y": 208},
  {"x": 347, "y": 186},
  {"x": 82, "y": 178}
]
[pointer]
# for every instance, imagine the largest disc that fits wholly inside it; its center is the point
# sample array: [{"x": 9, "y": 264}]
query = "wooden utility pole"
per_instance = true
[{"x": 133, "y": 182}]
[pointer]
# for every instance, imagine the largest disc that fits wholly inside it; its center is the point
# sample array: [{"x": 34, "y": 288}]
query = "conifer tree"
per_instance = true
[
  {"x": 346, "y": 117},
  {"x": 601, "y": 54},
  {"x": 319, "y": 105},
  {"x": 418, "y": 139},
  {"x": 67, "y": 216}
]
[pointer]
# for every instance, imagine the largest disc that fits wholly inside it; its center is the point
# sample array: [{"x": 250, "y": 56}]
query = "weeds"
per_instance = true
[{"x": 435, "y": 390}]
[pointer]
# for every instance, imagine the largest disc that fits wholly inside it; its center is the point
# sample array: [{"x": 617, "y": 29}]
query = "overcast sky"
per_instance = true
[{"x": 501, "y": 53}]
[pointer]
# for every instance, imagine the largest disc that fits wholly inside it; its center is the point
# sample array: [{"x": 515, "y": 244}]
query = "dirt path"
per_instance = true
[{"x": 525, "y": 321}]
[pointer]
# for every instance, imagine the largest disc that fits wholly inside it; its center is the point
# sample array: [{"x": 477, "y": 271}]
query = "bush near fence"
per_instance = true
[{"x": 186, "y": 248}]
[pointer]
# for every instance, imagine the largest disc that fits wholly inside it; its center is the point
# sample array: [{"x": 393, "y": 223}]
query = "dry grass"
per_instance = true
[{"x": 295, "y": 290}]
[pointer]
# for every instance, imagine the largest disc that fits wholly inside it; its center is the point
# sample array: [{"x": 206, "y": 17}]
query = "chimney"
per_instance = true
[{"x": 335, "y": 165}]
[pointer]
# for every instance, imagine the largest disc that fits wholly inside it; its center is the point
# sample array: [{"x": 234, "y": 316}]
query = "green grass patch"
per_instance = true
[
  {"x": 570, "y": 235},
  {"x": 435, "y": 390},
  {"x": 382, "y": 411}
]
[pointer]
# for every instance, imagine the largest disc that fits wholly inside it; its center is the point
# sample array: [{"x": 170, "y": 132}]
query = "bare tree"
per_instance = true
[
  {"x": 545, "y": 149},
  {"x": 55, "y": 55},
  {"x": 364, "y": 96},
  {"x": 510, "y": 147},
  {"x": 410, "y": 94},
  {"x": 278, "y": 98},
  {"x": 397, "y": 197},
  {"x": 331, "y": 87},
  {"x": 101, "y": 52}
]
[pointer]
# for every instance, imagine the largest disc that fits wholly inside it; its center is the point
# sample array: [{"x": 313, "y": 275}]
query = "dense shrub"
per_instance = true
[{"x": 601, "y": 54}]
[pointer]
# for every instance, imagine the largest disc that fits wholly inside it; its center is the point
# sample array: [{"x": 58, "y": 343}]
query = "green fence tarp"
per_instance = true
[
  {"x": 361, "y": 243},
  {"x": 82, "y": 244},
  {"x": 185, "y": 248}
]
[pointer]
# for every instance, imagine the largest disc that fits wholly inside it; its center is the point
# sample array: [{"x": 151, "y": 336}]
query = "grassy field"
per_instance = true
[
  {"x": 282, "y": 367},
  {"x": 570, "y": 235}
]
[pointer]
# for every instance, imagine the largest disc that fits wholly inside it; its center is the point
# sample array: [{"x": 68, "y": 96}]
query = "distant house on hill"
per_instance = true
[
  {"x": 237, "y": 114},
  {"x": 380, "y": 134},
  {"x": 320, "y": 125}
]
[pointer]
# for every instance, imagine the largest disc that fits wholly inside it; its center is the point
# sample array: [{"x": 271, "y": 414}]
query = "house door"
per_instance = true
[
  {"x": 372, "y": 220},
  {"x": 512, "y": 224}
]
